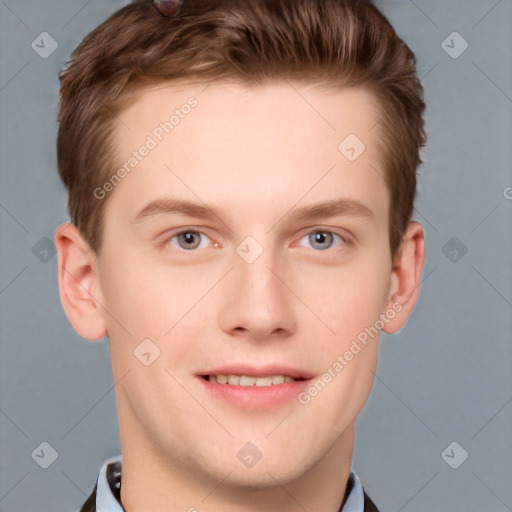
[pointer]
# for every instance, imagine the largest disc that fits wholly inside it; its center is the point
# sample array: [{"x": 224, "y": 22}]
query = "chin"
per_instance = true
[{"x": 262, "y": 477}]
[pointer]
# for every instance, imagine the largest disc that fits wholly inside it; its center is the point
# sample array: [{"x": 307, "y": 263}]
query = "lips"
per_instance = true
[
  {"x": 248, "y": 380},
  {"x": 244, "y": 375},
  {"x": 254, "y": 387}
]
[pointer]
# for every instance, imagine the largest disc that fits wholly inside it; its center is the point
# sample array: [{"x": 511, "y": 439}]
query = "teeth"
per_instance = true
[
  {"x": 264, "y": 381},
  {"x": 278, "y": 379},
  {"x": 247, "y": 381},
  {"x": 233, "y": 379}
]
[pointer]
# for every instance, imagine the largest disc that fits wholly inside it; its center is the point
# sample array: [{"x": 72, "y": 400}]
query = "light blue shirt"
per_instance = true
[{"x": 107, "y": 502}]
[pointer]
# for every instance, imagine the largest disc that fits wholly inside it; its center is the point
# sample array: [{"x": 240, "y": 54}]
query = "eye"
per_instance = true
[
  {"x": 189, "y": 240},
  {"x": 322, "y": 239}
]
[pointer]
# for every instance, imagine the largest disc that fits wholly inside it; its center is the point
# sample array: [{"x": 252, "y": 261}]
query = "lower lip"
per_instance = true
[{"x": 255, "y": 397}]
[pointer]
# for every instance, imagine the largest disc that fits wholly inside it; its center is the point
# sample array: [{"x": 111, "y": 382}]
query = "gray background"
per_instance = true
[{"x": 445, "y": 377}]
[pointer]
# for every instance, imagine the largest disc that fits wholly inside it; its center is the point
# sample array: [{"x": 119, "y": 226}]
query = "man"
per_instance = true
[{"x": 241, "y": 177}]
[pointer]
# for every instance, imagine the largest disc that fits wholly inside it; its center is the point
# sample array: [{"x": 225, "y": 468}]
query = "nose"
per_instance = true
[{"x": 255, "y": 302}]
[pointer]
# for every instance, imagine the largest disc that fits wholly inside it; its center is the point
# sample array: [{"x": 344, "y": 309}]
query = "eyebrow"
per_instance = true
[
  {"x": 170, "y": 206},
  {"x": 329, "y": 208}
]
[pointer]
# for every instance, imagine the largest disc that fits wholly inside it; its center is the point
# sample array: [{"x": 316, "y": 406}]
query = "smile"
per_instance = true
[
  {"x": 251, "y": 387},
  {"x": 247, "y": 381}
]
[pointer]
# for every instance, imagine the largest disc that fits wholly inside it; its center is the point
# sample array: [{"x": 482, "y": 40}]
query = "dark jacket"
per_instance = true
[{"x": 114, "y": 474}]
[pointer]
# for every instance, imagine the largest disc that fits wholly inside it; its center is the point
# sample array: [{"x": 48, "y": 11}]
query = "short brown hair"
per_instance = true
[{"x": 337, "y": 43}]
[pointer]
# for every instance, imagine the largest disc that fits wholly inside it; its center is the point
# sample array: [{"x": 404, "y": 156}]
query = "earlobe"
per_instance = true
[
  {"x": 79, "y": 289},
  {"x": 406, "y": 277}
]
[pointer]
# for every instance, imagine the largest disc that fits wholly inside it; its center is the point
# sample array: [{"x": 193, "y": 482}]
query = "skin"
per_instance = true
[{"x": 256, "y": 156}]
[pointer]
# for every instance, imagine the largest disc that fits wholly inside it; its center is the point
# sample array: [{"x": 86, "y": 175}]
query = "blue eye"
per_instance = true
[
  {"x": 322, "y": 240},
  {"x": 188, "y": 240}
]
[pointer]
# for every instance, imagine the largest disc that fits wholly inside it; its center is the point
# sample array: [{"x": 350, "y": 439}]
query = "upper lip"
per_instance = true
[{"x": 259, "y": 371}]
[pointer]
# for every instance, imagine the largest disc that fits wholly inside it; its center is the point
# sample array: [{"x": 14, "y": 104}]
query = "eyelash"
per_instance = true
[{"x": 343, "y": 240}]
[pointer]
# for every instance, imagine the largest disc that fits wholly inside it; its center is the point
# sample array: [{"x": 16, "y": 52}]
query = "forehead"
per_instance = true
[
  {"x": 234, "y": 145},
  {"x": 284, "y": 108}
]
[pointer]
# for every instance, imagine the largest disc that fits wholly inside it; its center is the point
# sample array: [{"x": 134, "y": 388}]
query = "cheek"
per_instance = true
[
  {"x": 163, "y": 304},
  {"x": 352, "y": 303},
  {"x": 347, "y": 298},
  {"x": 149, "y": 300},
  {"x": 367, "y": 298}
]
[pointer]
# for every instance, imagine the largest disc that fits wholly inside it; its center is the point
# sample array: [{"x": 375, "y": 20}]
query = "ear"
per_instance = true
[
  {"x": 79, "y": 289},
  {"x": 406, "y": 277}
]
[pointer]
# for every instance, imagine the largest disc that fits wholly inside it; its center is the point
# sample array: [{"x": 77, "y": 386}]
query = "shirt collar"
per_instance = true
[
  {"x": 106, "y": 500},
  {"x": 109, "y": 485}
]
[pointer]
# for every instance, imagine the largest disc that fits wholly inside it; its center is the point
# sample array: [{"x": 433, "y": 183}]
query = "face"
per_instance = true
[{"x": 244, "y": 245}]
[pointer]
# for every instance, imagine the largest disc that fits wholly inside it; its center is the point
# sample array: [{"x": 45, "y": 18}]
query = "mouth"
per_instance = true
[
  {"x": 249, "y": 387},
  {"x": 249, "y": 381}
]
